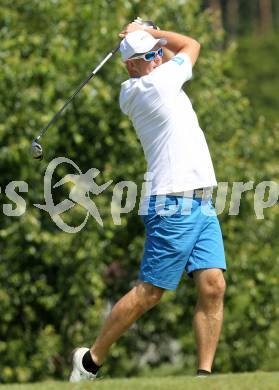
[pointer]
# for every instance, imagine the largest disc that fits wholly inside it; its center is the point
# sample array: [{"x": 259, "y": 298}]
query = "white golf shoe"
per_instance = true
[{"x": 79, "y": 373}]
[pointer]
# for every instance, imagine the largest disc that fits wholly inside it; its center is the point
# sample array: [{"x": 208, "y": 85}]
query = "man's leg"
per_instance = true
[
  {"x": 208, "y": 317},
  {"x": 124, "y": 313}
]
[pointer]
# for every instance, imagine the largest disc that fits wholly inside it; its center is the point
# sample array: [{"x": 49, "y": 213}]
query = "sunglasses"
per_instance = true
[{"x": 150, "y": 56}]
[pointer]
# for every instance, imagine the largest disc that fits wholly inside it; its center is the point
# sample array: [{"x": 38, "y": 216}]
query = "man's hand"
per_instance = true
[{"x": 134, "y": 26}]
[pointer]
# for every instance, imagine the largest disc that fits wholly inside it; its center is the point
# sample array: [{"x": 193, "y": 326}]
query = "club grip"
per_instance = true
[{"x": 146, "y": 23}]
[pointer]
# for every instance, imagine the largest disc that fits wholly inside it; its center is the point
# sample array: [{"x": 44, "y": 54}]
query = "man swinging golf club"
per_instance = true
[{"x": 182, "y": 230}]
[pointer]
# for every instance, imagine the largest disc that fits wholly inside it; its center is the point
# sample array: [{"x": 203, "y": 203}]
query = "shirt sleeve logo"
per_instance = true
[{"x": 178, "y": 60}]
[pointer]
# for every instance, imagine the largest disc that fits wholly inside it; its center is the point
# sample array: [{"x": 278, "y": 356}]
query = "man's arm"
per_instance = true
[{"x": 177, "y": 43}]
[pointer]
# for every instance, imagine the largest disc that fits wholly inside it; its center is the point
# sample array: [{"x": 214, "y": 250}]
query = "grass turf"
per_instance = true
[{"x": 255, "y": 381}]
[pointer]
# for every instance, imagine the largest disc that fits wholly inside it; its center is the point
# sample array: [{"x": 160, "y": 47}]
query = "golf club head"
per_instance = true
[{"x": 36, "y": 150}]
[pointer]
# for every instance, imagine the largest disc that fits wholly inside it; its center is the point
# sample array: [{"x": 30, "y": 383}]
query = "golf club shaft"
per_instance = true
[{"x": 53, "y": 119}]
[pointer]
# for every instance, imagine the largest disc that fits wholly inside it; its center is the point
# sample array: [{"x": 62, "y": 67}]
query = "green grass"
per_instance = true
[{"x": 251, "y": 381}]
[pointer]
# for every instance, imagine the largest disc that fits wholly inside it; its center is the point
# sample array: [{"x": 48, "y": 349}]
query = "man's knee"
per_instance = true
[
  {"x": 148, "y": 295},
  {"x": 213, "y": 286}
]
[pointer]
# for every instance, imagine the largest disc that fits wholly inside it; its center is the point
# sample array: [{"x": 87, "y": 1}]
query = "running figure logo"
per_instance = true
[{"x": 84, "y": 183}]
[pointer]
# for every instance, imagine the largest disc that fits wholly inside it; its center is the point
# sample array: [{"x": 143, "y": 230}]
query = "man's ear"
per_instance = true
[
  {"x": 132, "y": 68},
  {"x": 130, "y": 65}
]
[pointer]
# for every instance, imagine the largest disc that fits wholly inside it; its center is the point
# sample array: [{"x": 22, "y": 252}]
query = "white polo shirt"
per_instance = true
[{"x": 174, "y": 145}]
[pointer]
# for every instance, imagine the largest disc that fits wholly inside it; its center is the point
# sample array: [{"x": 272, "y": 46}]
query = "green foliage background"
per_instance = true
[{"x": 56, "y": 288}]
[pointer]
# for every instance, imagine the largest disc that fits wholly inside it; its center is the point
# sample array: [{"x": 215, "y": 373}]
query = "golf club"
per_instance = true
[{"x": 36, "y": 148}]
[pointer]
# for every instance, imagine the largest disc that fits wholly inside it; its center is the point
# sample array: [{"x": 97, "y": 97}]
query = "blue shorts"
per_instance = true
[{"x": 181, "y": 234}]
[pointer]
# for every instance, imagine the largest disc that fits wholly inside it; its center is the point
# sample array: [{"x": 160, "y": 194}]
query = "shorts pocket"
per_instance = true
[{"x": 169, "y": 208}]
